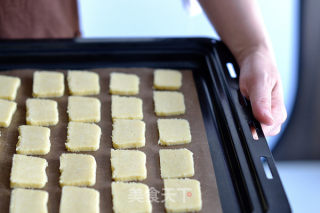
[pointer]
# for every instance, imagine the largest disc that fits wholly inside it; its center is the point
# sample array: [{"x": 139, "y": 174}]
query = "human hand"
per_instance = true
[{"x": 260, "y": 82}]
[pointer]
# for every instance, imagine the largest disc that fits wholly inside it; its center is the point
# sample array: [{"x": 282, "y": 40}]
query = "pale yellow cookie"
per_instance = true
[
  {"x": 83, "y": 82},
  {"x": 8, "y": 87},
  {"x": 28, "y": 201},
  {"x": 124, "y": 84},
  {"x": 79, "y": 200},
  {"x": 42, "y": 112},
  {"x": 77, "y": 170},
  {"x": 182, "y": 195},
  {"x": 28, "y": 172},
  {"x": 84, "y": 109},
  {"x": 128, "y": 165},
  {"x": 173, "y": 131},
  {"x": 168, "y": 103},
  {"x": 130, "y": 197},
  {"x": 83, "y": 137},
  {"x": 167, "y": 79},
  {"x": 7, "y": 109},
  {"x": 176, "y": 163},
  {"x": 33, "y": 140},
  {"x": 126, "y": 107},
  {"x": 128, "y": 133},
  {"x": 48, "y": 84}
]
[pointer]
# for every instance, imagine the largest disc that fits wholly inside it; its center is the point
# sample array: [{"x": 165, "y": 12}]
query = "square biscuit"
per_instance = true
[
  {"x": 7, "y": 109},
  {"x": 128, "y": 165},
  {"x": 42, "y": 112},
  {"x": 128, "y": 133},
  {"x": 28, "y": 201},
  {"x": 182, "y": 195},
  {"x": 28, "y": 172},
  {"x": 126, "y": 107},
  {"x": 84, "y": 109},
  {"x": 173, "y": 131},
  {"x": 33, "y": 140},
  {"x": 176, "y": 163},
  {"x": 77, "y": 170},
  {"x": 165, "y": 79},
  {"x": 83, "y": 82},
  {"x": 168, "y": 103},
  {"x": 124, "y": 84},
  {"x": 83, "y": 137},
  {"x": 130, "y": 197},
  {"x": 79, "y": 200},
  {"x": 8, "y": 87},
  {"x": 48, "y": 84}
]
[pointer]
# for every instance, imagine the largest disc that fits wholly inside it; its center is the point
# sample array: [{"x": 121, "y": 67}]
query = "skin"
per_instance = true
[{"x": 240, "y": 26}]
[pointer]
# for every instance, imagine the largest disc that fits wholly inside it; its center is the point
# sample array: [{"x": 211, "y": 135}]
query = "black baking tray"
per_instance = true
[{"x": 238, "y": 159}]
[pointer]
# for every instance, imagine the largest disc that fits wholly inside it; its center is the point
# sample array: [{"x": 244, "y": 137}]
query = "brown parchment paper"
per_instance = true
[{"x": 204, "y": 171}]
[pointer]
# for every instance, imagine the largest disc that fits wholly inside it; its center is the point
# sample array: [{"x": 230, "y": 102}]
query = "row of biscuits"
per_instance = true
[
  {"x": 78, "y": 171},
  {"x": 128, "y": 132},
  {"x": 8, "y": 91},
  {"x": 176, "y": 165}
]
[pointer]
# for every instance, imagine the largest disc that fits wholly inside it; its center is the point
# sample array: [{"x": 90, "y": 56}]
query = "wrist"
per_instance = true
[{"x": 262, "y": 49}]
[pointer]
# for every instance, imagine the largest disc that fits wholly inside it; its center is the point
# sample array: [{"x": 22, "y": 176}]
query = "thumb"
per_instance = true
[{"x": 260, "y": 98}]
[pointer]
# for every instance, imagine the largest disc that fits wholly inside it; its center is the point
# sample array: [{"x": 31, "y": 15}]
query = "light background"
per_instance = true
[{"x": 168, "y": 18}]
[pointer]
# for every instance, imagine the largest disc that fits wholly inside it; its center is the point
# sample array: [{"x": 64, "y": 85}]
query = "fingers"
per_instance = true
[
  {"x": 260, "y": 98},
  {"x": 278, "y": 111},
  {"x": 265, "y": 94},
  {"x": 260, "y": 82},
  {"x": 258, "y": 87},
  {"x": 254, "y": 133},
  {"x": 278, "y": 108}
]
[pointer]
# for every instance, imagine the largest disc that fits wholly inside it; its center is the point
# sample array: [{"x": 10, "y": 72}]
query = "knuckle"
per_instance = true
[
  {"x": 243, "y": 89},
  {"x": 254, "y": 80},
  {"x": 267, "y": 79},
  {"x": 262, "y": 100}
]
